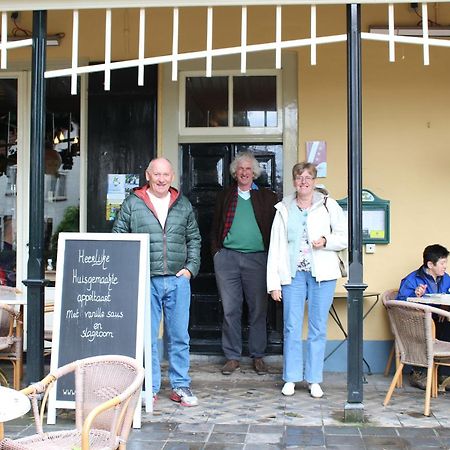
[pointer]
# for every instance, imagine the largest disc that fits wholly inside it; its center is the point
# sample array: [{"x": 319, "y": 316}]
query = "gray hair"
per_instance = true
[
  {"x": 161, "y": 158},
  {"x": 249, "y": 156}
]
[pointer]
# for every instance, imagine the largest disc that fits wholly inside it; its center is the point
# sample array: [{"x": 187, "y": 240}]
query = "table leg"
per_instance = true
[
  {"x": 19, "y": 362},
  {"x": 333, "y": 313}
]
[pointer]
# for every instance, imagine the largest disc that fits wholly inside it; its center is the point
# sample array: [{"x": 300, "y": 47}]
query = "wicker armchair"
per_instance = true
[
  {"x": 107, "y": 391},
  {"x": 391, "y": 294},
  {"x": 11, "y": 349},
  {"x": 413, "y": 328}
]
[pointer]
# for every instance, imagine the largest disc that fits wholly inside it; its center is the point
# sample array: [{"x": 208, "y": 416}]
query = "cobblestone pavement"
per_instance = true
[{"x": 247, "y": 411}]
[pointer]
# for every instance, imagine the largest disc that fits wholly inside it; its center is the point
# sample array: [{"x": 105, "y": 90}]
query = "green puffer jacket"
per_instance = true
[{"x": 173, "y": 248}]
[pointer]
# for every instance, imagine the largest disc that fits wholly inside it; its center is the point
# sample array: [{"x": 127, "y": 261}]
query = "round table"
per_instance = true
[{"x": 13, "y": 404}]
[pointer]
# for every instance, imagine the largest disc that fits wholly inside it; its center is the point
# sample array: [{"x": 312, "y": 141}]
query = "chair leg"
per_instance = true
[
  {"x": 393, "y": 384},
  {"x": 389, "y": 364},
  {"x": 434, "y": 384},
  {"x": 400, "y": 378},
  {"x": 16, "y": 375},
  {"x": 389, "y": 361},
  {"x": 428, "y": 391},
  {"x": 3, "y": 379}
]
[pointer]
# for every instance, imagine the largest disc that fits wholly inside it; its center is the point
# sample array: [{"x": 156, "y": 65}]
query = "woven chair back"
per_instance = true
[
  {"x": 97, "y": 383},
  {"x": 411, "y": 324},
  {"x": 390, "y": 294},
  {"x": 4, "y": 322}
]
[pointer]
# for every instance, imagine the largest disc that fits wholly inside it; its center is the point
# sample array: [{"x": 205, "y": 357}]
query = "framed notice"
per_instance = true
[
  {"x": 101, "y": 300},
  {"x": 375, "y": 218}
]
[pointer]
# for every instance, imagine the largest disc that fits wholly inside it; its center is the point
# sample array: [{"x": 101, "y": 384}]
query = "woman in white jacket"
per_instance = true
[{"x": 308, "y": 231}]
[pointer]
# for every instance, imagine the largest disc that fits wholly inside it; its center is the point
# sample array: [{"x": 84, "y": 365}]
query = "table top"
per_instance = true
[
  {"x": 13, "y": 404},
  {"x": 11, "y": 296},
  {"x": 431, "y": 299},
  {"x": 365, "y": 294},
  {"x": 13, "y": 299}
]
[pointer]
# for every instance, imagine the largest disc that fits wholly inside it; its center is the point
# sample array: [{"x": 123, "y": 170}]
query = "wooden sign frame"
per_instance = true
[{"x": 67, "y": 307}]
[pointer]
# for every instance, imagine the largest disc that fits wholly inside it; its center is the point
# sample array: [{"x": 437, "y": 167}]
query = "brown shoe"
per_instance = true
[
  {"x": 230, "y": 366},
  {"x": 418, "y": 379},
  {"x": 260, "y": 366}
]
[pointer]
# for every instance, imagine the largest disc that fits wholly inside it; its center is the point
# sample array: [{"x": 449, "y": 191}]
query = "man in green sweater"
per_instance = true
[{"x": 239, "y": 242}]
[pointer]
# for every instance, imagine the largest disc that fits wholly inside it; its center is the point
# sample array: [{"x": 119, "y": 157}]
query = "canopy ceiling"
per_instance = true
[{"x": 27, "y": 5}]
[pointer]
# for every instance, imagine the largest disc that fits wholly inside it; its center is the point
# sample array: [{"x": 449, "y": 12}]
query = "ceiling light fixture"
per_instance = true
[
  {"x": 53, "y": 40},
  {"x": 435, "y": 32}
]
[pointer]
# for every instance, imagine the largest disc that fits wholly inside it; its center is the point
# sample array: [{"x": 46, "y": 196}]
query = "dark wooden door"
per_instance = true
[
  {"x": 121, "y": 135},
  {"x": 205, "y": 172}
]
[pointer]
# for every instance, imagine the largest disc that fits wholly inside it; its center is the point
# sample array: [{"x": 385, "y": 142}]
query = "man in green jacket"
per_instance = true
[{"x": 167, "y": 216}]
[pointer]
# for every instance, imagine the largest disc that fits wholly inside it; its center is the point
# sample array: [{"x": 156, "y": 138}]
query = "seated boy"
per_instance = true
[{"x": 430, "y": 278}]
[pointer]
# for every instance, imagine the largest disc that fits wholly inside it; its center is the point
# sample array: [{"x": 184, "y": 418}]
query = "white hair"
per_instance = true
[{"x": 249, "y": 156}]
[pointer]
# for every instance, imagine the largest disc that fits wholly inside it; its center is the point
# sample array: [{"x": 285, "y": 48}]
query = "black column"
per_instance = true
[
  {"x": 35, "y": 281},
  {"x": 354, "y": 408}
]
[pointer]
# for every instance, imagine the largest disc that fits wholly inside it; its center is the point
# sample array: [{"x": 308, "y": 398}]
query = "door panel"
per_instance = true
[{"x": 205, "y": 172}]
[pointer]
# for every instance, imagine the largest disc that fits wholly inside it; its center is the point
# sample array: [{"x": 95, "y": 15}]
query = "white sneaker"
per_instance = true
[
  {"x": 288, "y": 388},
  {"x": 315, "y": 390}
]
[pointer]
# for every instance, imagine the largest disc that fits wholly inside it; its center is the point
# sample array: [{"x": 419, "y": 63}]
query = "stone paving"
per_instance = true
[
  {"x": 245, "y": 397},
  {"x": 247, "y": 411}
]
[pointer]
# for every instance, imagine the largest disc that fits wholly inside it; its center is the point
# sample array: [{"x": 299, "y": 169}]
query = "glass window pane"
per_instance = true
[
  {"x": 255, "y": 101},
  {"x": 62, "y": 165},
  {"x": 206, "y": 102},
  {"x": 8, "y": 172}
]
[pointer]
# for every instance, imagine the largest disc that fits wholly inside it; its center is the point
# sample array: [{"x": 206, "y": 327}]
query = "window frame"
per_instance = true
[{"x": 230, "y": 129}]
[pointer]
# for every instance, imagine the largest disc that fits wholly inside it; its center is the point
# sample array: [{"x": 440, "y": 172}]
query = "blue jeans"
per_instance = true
[
  {"x": 171, "y": 295},
  {"x": 320, "y": 297}
]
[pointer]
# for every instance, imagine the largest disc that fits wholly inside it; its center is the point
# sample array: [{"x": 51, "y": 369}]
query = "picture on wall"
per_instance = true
[{"x": 316, "y": 153}]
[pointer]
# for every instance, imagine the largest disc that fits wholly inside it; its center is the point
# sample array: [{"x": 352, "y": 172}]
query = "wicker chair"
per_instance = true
[
  {"x": 11, "y": 341},
  {"x": 413, "y": 328},
  {"x": 391, "y": 294},
  {"x": 107, "y": 391}
]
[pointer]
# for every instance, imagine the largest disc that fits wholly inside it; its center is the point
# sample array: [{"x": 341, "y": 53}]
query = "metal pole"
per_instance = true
[
  {"x": 35, "y": 281},
  {"x": 354, "y": 408}
]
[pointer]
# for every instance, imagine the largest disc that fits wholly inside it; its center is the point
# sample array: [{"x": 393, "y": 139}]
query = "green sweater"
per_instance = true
[{"x": 244, "y": 235}]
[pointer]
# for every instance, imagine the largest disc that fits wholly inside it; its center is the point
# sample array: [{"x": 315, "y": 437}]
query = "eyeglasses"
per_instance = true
[{"x": 307, "y": 179}]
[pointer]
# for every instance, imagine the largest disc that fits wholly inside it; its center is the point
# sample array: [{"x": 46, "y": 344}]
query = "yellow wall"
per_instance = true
[
  {"x": 406, "y": 110},
  {"x": 406, "y": 151}
]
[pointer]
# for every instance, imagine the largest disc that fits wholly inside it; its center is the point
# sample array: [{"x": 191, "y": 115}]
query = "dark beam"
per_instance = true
[
  {"x": 35, "y": 281},
  {"x": 354, "y": 408}
]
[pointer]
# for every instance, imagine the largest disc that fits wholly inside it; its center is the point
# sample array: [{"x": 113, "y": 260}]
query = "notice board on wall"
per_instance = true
[{"x": 101, "y": 297}]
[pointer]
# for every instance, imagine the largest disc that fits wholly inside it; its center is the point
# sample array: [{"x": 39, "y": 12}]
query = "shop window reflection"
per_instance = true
[
  {"x": 7, "y": 252},
  {"x": 62, "y": 164},
  {"x": 8, "y": 176}
]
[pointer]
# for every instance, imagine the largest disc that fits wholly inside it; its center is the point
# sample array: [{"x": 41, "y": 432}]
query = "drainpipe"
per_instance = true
[
  {"x": 354, "y": 408},
  {"x": 35, "y": 282}
]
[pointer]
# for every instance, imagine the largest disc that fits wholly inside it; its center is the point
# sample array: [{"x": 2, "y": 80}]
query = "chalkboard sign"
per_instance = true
[{"x": 101, "y": 293}]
